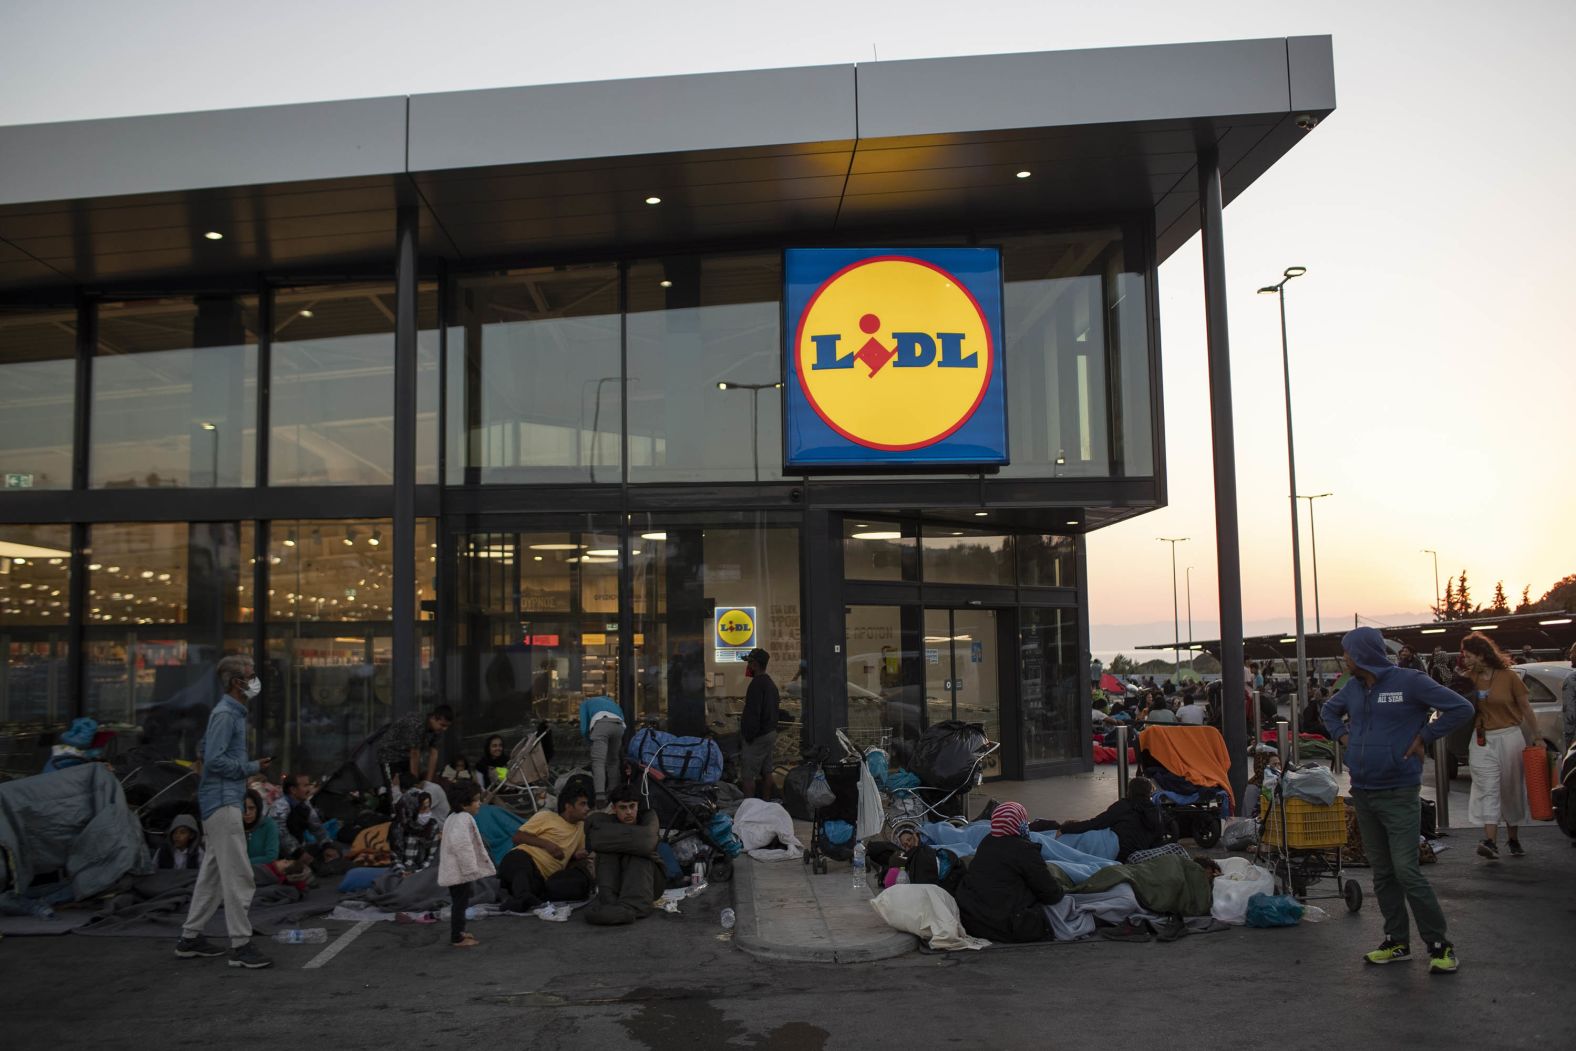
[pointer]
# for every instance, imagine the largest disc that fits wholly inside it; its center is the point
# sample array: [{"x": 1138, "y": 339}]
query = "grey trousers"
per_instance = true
[
  {"x": 606, "y": 737},
  {"x": 225, "y": 878}
]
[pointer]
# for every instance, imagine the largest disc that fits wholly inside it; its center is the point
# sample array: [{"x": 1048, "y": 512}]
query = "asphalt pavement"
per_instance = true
[{"x": 675, "y": 983}]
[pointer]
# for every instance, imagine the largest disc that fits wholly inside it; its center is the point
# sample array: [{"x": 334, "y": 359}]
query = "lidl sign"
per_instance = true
[
  {"x": 736, "y": 627},
  {"x": 894, "y": 357}
]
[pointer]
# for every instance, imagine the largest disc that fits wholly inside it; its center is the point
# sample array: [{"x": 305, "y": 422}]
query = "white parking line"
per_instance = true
[{"x": 339, "y": 945}]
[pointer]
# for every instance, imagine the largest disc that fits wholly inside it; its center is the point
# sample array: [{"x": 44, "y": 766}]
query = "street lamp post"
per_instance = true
[
  {"x": 1313, "y": 540},
  {"x": 1176, "y": 620},
  {"x": 1439, "y": 613},
  {"x": 1191, "y": 652},
  {"x": 755, "y": 401},
  {"x": 213, "y": 432},
  {"x": 1279, "y": 291}
]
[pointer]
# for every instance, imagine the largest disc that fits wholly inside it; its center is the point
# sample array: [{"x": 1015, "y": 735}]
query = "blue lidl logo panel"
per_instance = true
[{"x": 894, "y": 357}]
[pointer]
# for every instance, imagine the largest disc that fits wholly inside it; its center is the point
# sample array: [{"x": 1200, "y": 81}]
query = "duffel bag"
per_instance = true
[{"x": 681, "y": 758}]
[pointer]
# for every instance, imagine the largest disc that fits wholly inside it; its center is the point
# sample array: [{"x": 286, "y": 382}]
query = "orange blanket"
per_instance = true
[{"x": 1197, "y": 753}]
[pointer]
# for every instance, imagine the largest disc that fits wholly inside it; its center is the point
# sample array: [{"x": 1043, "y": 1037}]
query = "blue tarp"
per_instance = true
[
  {"x": 1078, "y": 865},
  {"x": 497, "y": 826}
]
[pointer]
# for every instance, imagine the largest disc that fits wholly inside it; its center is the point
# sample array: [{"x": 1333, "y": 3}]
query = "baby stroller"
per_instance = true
[
  {"x": 527, "y": 774},
  {"x": 686, "y": 810},
  {"x": 949, "y": 759},
  {"x": 1192, "y": 774}
]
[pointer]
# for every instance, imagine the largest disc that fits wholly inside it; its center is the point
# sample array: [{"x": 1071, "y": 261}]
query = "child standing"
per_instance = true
[{"x": 462, "y": 857}]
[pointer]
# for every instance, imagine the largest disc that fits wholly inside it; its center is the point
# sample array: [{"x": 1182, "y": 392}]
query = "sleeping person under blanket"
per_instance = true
[{"x": 1136, "y": 820}]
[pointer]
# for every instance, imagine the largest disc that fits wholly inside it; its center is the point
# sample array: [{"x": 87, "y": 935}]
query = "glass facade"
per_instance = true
[
  {"x": 38, "y": 370},
  {"x": 175, "y": 393},
  {"x": 602, "y": 425}
]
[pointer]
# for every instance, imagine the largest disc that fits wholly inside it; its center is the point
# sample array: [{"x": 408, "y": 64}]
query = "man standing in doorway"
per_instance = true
[
  {"x": 1386, "y": 718},
  {"x": 226, "y": 872},
  {"x": 758, "y": 725}
]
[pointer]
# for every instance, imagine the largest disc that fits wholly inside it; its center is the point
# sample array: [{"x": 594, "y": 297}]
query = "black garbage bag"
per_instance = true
[
  {"x": 796, "y": 786},
  {"x": 945, "y": 753}
]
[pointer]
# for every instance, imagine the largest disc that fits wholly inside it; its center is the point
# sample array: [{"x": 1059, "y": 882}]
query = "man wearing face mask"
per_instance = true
[
  {"x": 226, "y": 873},
  {"x": 758, "y": 725}
]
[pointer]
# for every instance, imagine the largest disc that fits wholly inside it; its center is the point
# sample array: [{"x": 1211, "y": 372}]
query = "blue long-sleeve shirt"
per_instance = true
[
  {"x": 591, "y": 706},
  {"x": 1383, "y": 719},
  {"x": 225, "y": 767}
]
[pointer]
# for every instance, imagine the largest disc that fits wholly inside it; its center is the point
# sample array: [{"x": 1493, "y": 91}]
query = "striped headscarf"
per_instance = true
[{"x": 1009, "y": 819}]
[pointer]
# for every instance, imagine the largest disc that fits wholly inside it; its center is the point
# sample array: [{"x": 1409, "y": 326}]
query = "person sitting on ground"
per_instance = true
[
  {"x": 1195, "y": 712},
  {"x": 492, "y": 769},
  {"x": 411, "y": 744},
  {"x": 628, "y": 873},
  {"x": 1003, "y": 894},
  {"x": 301, "y": 827},
  {"x": 547, "y": 862},
  {"x": 413, "y": 834},
  {"x": 462, "y": 858},
  {"x": 1136, "y": 820},
  {"x": 1158, "y": 713},
  {"x": 182, "y": 847},
  {"x": 459, "y": 770},
  {"x": 262, "y": 835}
]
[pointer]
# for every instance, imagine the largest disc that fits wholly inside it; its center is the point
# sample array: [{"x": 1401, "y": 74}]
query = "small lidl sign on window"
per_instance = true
[
  {"x": 735, "y": 627},
  {"x": 894, "y": 357}
]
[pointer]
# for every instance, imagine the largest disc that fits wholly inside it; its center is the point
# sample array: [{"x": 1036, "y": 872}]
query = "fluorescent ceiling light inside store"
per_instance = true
[
  {"x": 556, "y": 547},
  {"x": 10, "y": 550},
  {"x": 653, "y": 536},
  {"x": 878, "y": 535}
]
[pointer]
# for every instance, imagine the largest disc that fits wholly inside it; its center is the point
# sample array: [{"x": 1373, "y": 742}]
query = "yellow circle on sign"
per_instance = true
[
  {"x": 893, "y": 353},
  {"x": 735, "y": 628}
]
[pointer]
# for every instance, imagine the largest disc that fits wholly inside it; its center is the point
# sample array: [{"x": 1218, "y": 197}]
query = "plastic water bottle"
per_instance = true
[
  {"x": 859, "y": 865},
  {"x": 302, "y": 936},
  {"x": 902, "y": 877},
  {"x": 727, "y": 919}
]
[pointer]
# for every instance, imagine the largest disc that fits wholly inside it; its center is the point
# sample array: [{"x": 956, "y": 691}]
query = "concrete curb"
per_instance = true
[{"x": 746, "y": 932}]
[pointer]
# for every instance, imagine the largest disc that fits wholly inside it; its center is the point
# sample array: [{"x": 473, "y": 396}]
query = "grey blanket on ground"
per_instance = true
[
  {"x": 156, "y": 906},
  {"x": 73, "y": 821},
  {"x": 419, "y": 892}
]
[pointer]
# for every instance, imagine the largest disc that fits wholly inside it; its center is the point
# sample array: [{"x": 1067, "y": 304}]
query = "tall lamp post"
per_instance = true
[
  {"x": 755, "y": 401},
  {"x": 1313, "y": 540},
  {"x": 1279, "y": 292},
  {"x": 1176, "y": 619},
  {"x": 1437, "y": 611},
  {"x": 1192, "y": 654}
]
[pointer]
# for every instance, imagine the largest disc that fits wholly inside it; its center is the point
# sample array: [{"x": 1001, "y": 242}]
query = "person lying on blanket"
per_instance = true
[{"x": 1136, "y": 820}]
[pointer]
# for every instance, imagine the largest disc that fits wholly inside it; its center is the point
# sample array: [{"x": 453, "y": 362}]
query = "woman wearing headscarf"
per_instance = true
[
  {"x": 413, "y": 834},
  {"x": 1007, "y": 886}
]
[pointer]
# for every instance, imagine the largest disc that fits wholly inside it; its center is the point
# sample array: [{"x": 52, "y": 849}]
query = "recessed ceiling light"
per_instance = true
[
  {"x": 981, "y": 514},
  {"x": 1072, "y": 523},
  {"x": 653, "y": 200},
  {"x": 1025, "y": 174},
  {"x": 665, "y": 284},
  {"x": 604, "y": 552},
  {"x": 214, "y": 235},
  {"x": 306, "y": 313}
]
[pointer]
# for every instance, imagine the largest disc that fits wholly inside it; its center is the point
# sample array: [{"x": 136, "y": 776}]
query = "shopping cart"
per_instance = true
[{"x": 1302, "y": 843}]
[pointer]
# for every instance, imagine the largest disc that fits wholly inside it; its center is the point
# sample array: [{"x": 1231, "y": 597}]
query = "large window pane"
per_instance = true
[
  {"x": 330, "y": 635},
  {"x": 165, "y": 601},
  {"x": 884, "y": 696},
  {"x": 1048, "y": 657},
  {"x": 35, "y": 589},
  {"x": 332, "y": 407},
  {"x": 876, "y": 549},
  {"x": 37, "y": 389},
  {"x": 689, "y": 570},
  {"x": 1046, "y": 561},
  {"x": 1130, "y": 334},
  {"x": 1055, "y": 313},
  {"x": 534, "y": 376},
  {"x": 705, "y": 359},
  {"x": 960, "y": 555},
  {"x": 175, "y": 393},
  {"x": 535, "y": 630}
]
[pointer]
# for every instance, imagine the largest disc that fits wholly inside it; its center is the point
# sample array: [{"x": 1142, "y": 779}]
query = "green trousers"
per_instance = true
[{"x": 1389, "y": 822}]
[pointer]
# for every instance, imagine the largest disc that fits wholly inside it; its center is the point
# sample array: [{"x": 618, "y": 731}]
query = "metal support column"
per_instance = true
[
  {"x": 1223, "y": 441},
  {"x": 826, "y": 706},
  {"x": 404, "y": 553}
]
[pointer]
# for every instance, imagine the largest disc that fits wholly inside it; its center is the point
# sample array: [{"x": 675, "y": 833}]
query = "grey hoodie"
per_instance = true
[{"x": 1384, "y": 718}]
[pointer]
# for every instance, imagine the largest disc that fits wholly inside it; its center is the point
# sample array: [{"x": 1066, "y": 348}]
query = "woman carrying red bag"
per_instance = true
[{"x": 1505, "y": 725}]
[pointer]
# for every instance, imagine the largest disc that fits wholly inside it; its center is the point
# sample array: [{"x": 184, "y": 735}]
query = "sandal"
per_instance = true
[
  {"x": 1515, "y": 848},
  {"x": 1488, "y": 849},
  {"x": 465, "y": 942}
]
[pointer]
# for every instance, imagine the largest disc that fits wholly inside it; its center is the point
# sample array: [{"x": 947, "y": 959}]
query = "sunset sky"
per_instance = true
[{"x": 1430, "y": 345}]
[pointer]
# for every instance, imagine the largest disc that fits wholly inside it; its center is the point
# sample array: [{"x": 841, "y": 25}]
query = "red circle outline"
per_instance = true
[{"x": 798, "y": 362}]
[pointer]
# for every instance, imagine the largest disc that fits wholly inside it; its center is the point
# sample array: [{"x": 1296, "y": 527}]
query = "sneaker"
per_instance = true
[
  {"x": 1515, "y": 849},
  {"x": 189, "y": 948},
  {"x": 1126, "y": 931},
  {"x": 1442, "y": 959},
  {"x": 1488, "y": 849},
  {"x": 1390, "y": 952},
  {"x": 250, "y": 957}
]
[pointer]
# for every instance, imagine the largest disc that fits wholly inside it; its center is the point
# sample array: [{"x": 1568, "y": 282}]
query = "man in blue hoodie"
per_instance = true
[{"x": 1386, "y": 718}]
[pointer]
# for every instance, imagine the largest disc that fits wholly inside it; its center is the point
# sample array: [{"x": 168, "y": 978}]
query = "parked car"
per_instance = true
[{"x": 1544, "y": 680}]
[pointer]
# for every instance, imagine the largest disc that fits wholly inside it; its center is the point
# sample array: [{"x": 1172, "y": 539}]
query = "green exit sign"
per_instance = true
[{"x": 19, "y": 481}]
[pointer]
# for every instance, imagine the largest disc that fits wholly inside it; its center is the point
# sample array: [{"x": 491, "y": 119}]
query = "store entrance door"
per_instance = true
[{"x": 962, "y": 669}]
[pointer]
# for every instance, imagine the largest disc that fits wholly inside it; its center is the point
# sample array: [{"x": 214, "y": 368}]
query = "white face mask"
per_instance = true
[
  {"x": 254, "y": 686},
  {"x": 425, "y": 817}
]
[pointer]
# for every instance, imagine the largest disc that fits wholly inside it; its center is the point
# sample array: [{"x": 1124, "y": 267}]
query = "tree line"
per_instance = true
[{"x": 1456, "y": 603}]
